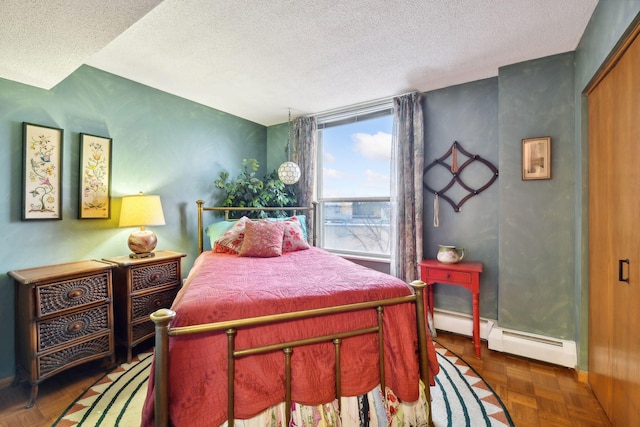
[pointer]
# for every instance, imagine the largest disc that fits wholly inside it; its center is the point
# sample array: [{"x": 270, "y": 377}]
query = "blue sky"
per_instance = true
[{"x": 357, "y": 158}]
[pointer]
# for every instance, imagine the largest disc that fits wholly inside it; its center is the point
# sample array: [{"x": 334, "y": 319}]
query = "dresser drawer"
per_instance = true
[
  {"x": 49, "y": 363},
  {"x": 435, "y": 275},
  {"x": 143, "y": 330},
  {"x": 152, "y": 276},
  {"x": 144, "y": 305},
  {"x": 60, "y": 330},
  {"x": 63, "y": 295}
]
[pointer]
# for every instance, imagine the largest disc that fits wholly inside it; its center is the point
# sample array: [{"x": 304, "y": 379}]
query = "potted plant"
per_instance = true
[{"x": 247, "y": 190}]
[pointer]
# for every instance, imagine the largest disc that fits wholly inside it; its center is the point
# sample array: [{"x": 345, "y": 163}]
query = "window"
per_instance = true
[{"x": 354, "y": 170}]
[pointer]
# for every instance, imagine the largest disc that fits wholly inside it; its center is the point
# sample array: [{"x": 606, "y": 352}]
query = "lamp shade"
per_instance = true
[
  {"x": 289, "y": 173},
  {"x": 140, "y": 211}
]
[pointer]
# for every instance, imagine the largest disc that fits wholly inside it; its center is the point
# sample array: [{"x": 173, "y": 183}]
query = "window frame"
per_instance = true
[{"x": 340, "y": 118}]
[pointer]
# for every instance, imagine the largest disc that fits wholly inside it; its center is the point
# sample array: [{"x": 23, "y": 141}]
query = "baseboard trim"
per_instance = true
[
  {"x": 6, "y": 382},
  {"x": 537, "y": 347}
]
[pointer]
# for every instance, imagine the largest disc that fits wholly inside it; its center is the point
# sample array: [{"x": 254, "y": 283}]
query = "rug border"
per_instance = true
[
  {"x": 504, "y": 408},
  {"x": 136, "y": 359}
]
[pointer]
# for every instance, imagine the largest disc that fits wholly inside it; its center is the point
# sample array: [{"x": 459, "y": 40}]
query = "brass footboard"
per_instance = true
[{"x": 163, "y": 317}]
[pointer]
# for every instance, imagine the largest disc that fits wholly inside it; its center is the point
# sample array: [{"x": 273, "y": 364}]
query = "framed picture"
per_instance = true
[
  {"x": 94, "y": 201},
  {"x": 536, "y": 158},
  {"x": 42, "y": 170}
]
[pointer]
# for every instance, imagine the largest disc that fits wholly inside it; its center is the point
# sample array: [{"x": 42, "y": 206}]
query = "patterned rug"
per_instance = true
[{"x": 460, "y": 397}]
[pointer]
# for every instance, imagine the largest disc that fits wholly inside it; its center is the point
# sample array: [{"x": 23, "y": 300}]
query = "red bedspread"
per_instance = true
[{"x": 227, "y": 287}]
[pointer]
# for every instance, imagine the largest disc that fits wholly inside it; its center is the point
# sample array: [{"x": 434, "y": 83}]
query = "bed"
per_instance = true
[{"x": 289, "y": 327}]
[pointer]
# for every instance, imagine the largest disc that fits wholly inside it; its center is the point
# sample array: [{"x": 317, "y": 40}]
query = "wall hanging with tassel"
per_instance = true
[{"x": 455, "y": 170}]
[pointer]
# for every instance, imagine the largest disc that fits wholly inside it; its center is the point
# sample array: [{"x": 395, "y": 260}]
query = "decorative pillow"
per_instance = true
[
  {"x": 217, "y": 229},
  {"x": 301, "y": 218},
  {"x": 294, "y": 238},
  {"x": 262, "y": 239},
  {"x": 231, "y": 240}
]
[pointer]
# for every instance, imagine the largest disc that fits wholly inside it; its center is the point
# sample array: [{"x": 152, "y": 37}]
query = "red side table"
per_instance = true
[{"x": 465, "y": 274}]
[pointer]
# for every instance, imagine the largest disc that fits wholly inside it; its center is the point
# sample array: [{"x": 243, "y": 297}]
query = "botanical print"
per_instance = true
[
  {"x": 42, "y": 172},
  {"x": 95, "y": 174}
]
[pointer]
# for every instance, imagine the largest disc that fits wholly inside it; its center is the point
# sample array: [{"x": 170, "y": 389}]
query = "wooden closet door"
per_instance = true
[{"x": 614, "y": 234}]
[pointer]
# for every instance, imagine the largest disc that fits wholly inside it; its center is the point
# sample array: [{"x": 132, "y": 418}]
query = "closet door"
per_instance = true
[{"x": 614, "y": 239}]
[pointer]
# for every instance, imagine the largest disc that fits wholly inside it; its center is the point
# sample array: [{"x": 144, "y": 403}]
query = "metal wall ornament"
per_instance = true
[{"x": 455, "y": 170}]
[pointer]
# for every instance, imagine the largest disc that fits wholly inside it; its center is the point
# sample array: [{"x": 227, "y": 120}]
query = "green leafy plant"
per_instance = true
[{"x": 247, "y": 190}]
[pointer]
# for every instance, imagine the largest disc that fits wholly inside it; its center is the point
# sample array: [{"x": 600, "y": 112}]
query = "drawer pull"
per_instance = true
[
  {"x": 155, "y": 277},
  {"x": 75, "y": 326},
  {"x": 448, "y": 276},
  {"x": 75, "y": 293}
]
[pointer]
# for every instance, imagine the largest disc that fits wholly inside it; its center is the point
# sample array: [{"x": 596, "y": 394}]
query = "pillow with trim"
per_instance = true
[
  {"x": 301, "y": 218},
  {"x": 294, "y": 237},
  {"x": 231, "y": 241},
  {"x": 262, "y": 239},
  {"x": 217, "y": 229}
]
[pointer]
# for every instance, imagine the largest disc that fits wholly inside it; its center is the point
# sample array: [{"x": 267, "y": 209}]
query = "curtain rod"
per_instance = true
[{"x": 336, "y": 111}]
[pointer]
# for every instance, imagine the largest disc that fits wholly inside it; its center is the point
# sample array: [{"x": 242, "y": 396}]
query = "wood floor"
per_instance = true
[{"x": 536, "y": 394}]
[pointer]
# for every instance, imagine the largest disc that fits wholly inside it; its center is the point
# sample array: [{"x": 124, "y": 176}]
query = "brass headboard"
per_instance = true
[{"x": 293, "y": 210}]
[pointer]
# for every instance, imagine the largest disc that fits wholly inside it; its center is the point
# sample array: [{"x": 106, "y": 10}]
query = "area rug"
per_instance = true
[{"x": 460, "y": 397}]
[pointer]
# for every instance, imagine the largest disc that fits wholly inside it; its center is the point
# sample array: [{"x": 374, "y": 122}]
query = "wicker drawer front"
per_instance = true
[
  {"x": 60, "y": 330},
  {"x": 94, "y": 349},
  {"x": 73, "y": 293},
  {"x": 142, "y": 331},
  {"x": 144, "y": 305},
  {"x": 151, "y": 276}
]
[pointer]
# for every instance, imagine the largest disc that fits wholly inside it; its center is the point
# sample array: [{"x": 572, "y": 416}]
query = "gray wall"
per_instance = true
[
  {"x": 537, "y": 220},
  {"x": 535, "y": 250},
  {"x": 162, "y": 145},
  {"x": 522, "y": 231},
  {"x": 468, "y": 114},
  {"x": 607, "y": 26}
]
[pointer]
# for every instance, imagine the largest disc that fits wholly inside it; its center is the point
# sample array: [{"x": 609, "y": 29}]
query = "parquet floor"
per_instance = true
[{"x": 536, "y": 394}]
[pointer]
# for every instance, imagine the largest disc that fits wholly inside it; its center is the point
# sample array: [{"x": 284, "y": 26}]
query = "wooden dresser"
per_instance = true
[
  {"x": 64, "y": 317},
  {"x": 141, "y": 286}
]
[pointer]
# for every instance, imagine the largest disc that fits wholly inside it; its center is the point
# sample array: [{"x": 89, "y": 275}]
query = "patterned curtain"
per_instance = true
[
  {"x": 407, "y": 163},
  {"x": 304, "y": 142}
]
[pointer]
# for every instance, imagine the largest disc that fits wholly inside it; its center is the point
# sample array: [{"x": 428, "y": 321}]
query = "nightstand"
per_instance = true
[
  {"x": 64, "y": 317},
  {"x": 140, "y": 287},
  {"x": 465, "y": 274}
]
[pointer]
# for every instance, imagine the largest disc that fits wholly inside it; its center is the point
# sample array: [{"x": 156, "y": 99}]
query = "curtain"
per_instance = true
[
  {"x": 407, "y": 163},
  {"x": 304, "y": 140}
]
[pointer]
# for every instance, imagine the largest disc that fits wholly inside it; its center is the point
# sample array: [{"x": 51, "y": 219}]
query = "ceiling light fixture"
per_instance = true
[{"x": 289, "y": 172}]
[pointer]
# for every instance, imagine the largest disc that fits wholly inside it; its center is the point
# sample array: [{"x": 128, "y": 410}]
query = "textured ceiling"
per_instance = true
[{"x": 257, "y": 58}]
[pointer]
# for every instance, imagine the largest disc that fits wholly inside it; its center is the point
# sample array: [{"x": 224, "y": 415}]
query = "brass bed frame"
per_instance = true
[{"x": 163, "y": 332}]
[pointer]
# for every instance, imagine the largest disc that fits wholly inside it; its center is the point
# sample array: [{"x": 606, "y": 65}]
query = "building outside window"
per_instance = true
[{"x": 354, "y": 170}]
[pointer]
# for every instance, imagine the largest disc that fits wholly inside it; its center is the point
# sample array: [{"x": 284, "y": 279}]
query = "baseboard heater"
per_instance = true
[{"x": 537, "y": 347}]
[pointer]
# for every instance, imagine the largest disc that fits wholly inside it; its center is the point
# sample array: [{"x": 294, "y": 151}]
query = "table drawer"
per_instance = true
[
  {"x": 60, "y": 296},
  {"x": 435, "y": 275},
  {"x": 60, "y": 330},
  {"x": 152, "y": 276}
]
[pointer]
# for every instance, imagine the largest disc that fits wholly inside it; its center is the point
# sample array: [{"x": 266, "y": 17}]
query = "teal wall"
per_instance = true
[
  {"x": 162, "y": 145},
  {"x": 531, "y": 236},
  {"x": 277, "y": 144}
]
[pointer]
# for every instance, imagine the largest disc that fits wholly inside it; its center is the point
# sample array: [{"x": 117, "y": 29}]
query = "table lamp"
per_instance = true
[{"x": 141, "y": 211}]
